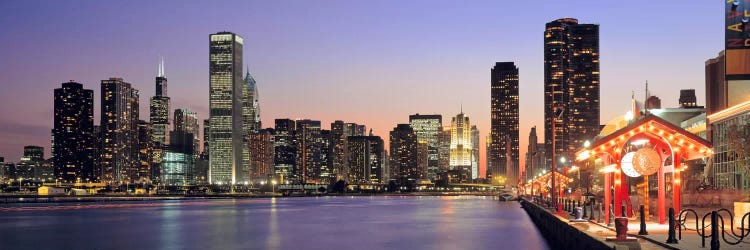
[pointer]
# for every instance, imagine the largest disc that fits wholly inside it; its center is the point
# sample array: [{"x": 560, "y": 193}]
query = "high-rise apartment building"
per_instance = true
[
  {"x": 73, "y": 133},
  {"x": 571, "y": 85},
  {"x": 365, "y": 160},
  {"x": 261, "y": 153},
  {"x": 119, "y": 131},
  {"x": 403, "y": 153},
  {"x": 309, "y": 154},
  {"x": 427, "y": 128},
  {"x": 503, "y": 117},
  {"x": 444, "y": 149},
  {"x": 226, "y": 88}
]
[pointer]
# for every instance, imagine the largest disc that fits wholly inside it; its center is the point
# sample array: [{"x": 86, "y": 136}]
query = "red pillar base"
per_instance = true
[{"x": 621, "y": 227}]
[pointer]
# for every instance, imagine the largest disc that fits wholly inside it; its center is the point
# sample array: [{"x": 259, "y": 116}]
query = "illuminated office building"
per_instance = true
[
  {"x": 427, "y": 128},
  {"x": 285, "y": 151},
  {"x": 503, "y": 117},
  {"x": 365, "y": 160},
  {"x": 461, "y": 145},
  {"x": 474, "y": 152},
  {"x": 309, "y": 142},
  {"x": 226, "y": 88}
]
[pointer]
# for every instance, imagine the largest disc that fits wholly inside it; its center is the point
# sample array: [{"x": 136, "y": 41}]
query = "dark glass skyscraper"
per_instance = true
[
  {"x": 503, "y": 118},
  {"x": 688, "y": 99},
  {"x": 119, "y": 133},
  {"x": 159, "y": 108},
  {"x": 571, "y": 84},
  {"x": 73, "y": 132},
  {"x": 225, "y": 104},
  {"x": 285, "y": 151}
]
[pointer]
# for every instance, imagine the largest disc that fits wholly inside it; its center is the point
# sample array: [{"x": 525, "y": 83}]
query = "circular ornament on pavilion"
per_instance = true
[
  {"x": 646, "y": 161},
  {"x": 627, "y": 165}
]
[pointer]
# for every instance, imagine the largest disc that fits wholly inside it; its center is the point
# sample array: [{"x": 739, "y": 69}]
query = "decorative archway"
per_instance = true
[{"x": 668, "y": 140}]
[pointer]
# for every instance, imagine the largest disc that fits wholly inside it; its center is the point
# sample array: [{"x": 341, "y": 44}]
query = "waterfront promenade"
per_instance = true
[{"x": 595, "y": 227}]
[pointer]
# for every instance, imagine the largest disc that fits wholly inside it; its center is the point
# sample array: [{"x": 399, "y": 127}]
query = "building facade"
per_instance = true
[
  {"x": 261, "y": 148},
  {"x": 427, "y": 128},
  {"x": 503, "y": 117},
  {"x": 365, "y": 160},
  {"x": 461, "y": 145},
  {"x": 403, "y": 153},
  {"x": 309, "y": 151},
  {"x": 225, "y": 104},
  {"x": 73, "y": 133},
  {"x": 474, "y": 152},
  {"x": 119, "y": 131},
  {"x": 285, "y": 151},
  {"x": 571, "y": 85}
]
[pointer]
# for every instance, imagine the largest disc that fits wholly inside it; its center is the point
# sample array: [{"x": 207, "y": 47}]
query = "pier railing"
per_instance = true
[{"x": 559, "y": 234}]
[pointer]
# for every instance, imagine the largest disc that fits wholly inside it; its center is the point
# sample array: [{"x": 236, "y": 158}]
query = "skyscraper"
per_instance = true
[
  {"x": 461, "y": 145},
  {"x": 503, "y": 117},
  {"x": 261, "y": 153},
  {"x": 366, "y": 160},
  {"x": 309, "y": 142},
  {"x": 73, "y": 132},
  {"x": 474, "y": 152},
  {"x": 444, "y": 149},
  {"x": 119, "y": 125},
  {"x": 338, "y": 157},
  {"x": 571, "y": 85},
  {"x": 285, "y": 151},
  {"x": 225, "y": 103},
  {"x": 159, "y": 109},
  {"x": 187, "y": 121},
  {"x": 250, "y": 105},
  {"x": 145, "y": 170},
  {"x": 427, "y": 128},
  {"x": 403, "y": 150},
  {"x": 535, "y": 156}
]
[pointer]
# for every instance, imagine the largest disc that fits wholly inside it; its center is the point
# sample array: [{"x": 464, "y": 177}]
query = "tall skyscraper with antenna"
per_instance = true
[{"x": 159, "y": 118}]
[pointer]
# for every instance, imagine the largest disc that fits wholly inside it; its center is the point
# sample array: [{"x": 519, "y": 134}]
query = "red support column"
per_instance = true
[
  {"x": 661, "y": 202},
  {"x": 607, "y": 195},
  {"x": 625, "y": 191},
  {"x": 618, "y": 191},
  {"x": 676, "y": 184}
]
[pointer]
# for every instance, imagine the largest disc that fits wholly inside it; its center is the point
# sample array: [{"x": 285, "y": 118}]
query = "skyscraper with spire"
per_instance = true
[
  {"x": 159, "y": 119},
  {"x": 250, "y": 105}
]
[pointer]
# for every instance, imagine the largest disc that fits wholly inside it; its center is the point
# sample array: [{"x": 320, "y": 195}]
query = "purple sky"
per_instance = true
[{"x": 371, "y": 62}]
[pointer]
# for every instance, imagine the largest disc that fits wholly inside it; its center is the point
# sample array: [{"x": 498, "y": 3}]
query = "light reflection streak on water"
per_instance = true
[{"x": 273, "y": 241}]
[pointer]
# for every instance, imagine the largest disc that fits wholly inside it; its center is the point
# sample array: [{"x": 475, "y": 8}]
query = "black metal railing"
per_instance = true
[{"x": 716, "y": 227}]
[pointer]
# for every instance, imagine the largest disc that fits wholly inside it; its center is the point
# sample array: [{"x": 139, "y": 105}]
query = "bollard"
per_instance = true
[
  {"x": 714, "y": 231},
  {"x": 671, "y": 239},
  {"x": 599, "y": 218},
  {"x": 623, "y": 213},
  {"x": 643, "y": 221},
  {"x": 611, "y": 221},
  {"x": 584, "y": 210}
]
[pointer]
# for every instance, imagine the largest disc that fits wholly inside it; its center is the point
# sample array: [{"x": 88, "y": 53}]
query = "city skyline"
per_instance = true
[{"x": 189, "y": 77}]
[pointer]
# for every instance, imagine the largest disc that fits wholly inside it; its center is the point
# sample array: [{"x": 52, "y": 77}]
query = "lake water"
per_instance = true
[{"x": 376, "y": 222}]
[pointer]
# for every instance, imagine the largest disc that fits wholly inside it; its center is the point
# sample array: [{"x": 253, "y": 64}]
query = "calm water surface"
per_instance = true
[{"x": 464, "y": 222}]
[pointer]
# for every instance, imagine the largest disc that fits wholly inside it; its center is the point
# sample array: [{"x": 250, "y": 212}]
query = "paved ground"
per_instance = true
[{"x": 657, "y": 234}]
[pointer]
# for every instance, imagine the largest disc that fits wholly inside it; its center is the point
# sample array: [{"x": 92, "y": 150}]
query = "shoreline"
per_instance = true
[{"x": 33, "y": 199}]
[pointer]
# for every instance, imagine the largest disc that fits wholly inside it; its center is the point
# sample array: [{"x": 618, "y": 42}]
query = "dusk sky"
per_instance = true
[{"x": 369, "y": 62}]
